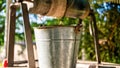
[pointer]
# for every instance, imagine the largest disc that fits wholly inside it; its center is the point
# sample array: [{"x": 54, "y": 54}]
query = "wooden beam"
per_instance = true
[
  {"x": 11, "y": 36},
  {"x": 95, "y": 36},
  {"x": 28, "y": 36}
]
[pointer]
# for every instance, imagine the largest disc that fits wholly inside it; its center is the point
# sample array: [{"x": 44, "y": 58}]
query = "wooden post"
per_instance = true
[
  {"x": 95, "y": 36},
  {"x": 11, "y": 36},
  {"x": 28, "y": 36}
]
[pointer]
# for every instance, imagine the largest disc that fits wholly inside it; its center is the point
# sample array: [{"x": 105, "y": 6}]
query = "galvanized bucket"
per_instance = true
[{"x": 57, "y": 47}]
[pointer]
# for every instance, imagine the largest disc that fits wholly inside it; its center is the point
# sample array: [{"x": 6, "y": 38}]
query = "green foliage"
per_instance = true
[
  {"x": 2, "y": 21},
  {"x": 0, "y": 64},
  {"x": 62, "y": 21},
  {"x": 87, "y": 42},
  {"x": 108, "y": 33}
]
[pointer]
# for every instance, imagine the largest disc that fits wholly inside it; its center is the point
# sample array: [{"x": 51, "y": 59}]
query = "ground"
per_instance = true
[{"x": 20, "y": 53}]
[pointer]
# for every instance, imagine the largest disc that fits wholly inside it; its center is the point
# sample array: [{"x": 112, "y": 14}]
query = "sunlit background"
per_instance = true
[{"x": 107, "y": 16}]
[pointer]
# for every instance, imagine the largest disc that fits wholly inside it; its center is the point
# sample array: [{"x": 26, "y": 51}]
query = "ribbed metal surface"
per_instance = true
[{"x": 57, "y": 47}]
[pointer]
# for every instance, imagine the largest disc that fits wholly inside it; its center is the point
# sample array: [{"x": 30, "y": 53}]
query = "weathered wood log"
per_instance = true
[
  {"x": 49, "y": 7},
  {"x": 41, "y": 6},
  {"x": 77, "y": 8},
  {"x": 60, "y": 8}
]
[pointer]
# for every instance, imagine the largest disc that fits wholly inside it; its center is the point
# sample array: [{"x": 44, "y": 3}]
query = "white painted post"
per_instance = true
[{"x": 8, "y": 2}]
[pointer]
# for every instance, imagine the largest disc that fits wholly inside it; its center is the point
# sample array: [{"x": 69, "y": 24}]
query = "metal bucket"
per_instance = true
[{"x": 57, "y": 46}]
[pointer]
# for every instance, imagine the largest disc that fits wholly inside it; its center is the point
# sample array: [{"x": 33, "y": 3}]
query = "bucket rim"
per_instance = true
[{"x": 47, "y": 27}]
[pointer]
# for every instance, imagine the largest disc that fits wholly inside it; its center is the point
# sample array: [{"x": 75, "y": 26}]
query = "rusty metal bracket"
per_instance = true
[{"x": 78, "y": 26}]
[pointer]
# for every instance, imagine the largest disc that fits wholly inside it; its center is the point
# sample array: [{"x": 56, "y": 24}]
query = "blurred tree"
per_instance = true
[
  {"x": 2, "y": 21},
  {"x": 107, "y": 16},
  {"x": 109, "y": 28}
]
